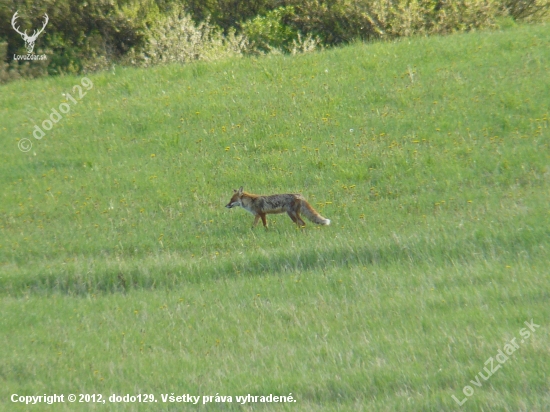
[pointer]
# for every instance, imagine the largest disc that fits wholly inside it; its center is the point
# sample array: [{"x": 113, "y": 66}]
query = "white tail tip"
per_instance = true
[{"x": 327, "y": 222}]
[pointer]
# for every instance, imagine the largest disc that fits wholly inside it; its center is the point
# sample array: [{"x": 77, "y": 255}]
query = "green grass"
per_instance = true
[{"x": 122, "y": 272}]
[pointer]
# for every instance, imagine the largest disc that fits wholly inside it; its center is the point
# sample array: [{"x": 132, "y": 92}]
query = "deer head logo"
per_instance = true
[{"x": 29, "y": 40}]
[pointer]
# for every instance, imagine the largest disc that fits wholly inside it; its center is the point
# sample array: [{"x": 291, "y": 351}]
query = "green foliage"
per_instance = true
[
  {"x": 14, "y": 70},
  {"x": 531, "y": 10},
  {"x": 175, "y": 38},
  {"x": 271, "y": 31},
  {"x": 341, "y": 21},
  {"x": 228, "y": 14},
  {"x": 345, "y": 20},
  {"x": 87, "y": 36},
  {"x": 334, "y": 22},
  {"x": 81, "y": 35}
]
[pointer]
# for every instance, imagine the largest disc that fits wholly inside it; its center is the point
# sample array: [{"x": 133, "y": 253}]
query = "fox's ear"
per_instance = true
[
  {"x": 241, "y": 190},
  {"x": 234, "y": 190}
]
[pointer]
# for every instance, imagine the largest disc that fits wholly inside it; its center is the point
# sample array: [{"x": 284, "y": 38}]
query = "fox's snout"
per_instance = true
[{"x": 232, "y": 203}]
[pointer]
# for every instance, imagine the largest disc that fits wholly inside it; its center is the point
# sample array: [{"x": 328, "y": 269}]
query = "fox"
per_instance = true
[{"x": 291, "y": 203}]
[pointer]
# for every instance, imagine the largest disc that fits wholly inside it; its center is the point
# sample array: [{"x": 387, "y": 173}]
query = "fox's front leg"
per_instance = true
[
  {"x": 264, "y": 220},
  {"x": 257, "y": 218}
]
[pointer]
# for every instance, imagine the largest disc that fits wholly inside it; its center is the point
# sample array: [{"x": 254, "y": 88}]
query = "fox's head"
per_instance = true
[{"x": 235, "y": 199}]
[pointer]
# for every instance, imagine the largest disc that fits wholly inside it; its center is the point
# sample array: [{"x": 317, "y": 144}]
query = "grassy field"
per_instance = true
[{"x": 122, "y": 273}]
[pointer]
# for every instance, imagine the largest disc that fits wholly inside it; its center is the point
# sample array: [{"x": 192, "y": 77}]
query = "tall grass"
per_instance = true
[{"x": 121, "y": 272}]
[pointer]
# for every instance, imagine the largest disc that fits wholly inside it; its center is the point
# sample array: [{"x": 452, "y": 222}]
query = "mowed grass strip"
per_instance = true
[
  {"x": 120, "y": 270},
  {"x": 357, "y": 338}
]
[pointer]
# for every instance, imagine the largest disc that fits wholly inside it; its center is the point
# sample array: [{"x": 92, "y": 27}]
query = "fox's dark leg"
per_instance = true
[
  {"x": 256, "y": 218},
  {"x": 291, "y": 215},
  {"x": 300, "y": 221},
  {"x": 264, "y": 221}
]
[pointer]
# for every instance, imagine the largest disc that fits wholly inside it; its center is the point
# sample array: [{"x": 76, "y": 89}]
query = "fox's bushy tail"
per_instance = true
[{"x": 309, "y": 212}]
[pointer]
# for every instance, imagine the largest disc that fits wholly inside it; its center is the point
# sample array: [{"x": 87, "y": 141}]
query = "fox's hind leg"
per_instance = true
[
  {"x": 291, "y": 215},
  {"x": 300, "y": 221},
  {"x": 256, "y": 218},
  {"x": 295, "y": 216}
]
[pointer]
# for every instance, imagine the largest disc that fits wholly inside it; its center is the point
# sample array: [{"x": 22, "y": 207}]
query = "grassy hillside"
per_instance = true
[{"x": 122, "y": 273}]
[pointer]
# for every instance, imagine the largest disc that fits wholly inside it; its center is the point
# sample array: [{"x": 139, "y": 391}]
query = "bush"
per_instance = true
[
  {"x": 228, "y": 14},
  {"x": 334, "y": 22},
  {"x": 271, "y": 31},
  {"x": 528, "y": 9},
  {"x": 15, "y": 70},
  {"x": 176, "y": 38},
  {"x": 81, "y": 35},
  {"x": 89, "y": 35},
  {"x": 342, "y": 21}
]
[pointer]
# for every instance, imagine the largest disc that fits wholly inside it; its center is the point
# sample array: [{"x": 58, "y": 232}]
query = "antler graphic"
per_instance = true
[
  {"x": 29, "y": 40},
  {"x": 17, "y": 28}
]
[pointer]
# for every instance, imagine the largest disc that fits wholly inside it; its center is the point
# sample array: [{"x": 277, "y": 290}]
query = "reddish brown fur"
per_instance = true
[{"x": 291, "y": 203}]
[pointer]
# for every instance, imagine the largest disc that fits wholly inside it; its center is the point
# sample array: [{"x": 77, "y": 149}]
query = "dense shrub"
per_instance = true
[
  {"x": 272, "y": 31},
  {"x": 177, "y": 38},
  {"x": 229, "y": 14},
  {"x": 88, "y": 35},
  {"x": 15, "y": 70},
  {"x": 528, "y": 9},
  {"x": 80, "y": 35},
  {"x": 341, "y": 21}
]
